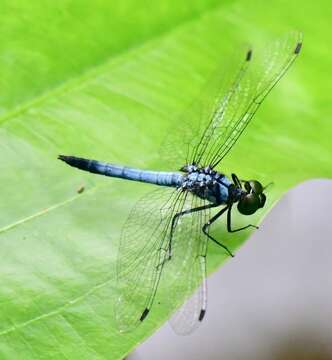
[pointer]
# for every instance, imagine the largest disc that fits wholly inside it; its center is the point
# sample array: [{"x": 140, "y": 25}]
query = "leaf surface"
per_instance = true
[{"x": 106, "y": 81}]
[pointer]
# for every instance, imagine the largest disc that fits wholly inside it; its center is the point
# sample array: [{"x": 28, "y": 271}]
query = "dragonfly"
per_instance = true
[{"x": 166, "y": 235}]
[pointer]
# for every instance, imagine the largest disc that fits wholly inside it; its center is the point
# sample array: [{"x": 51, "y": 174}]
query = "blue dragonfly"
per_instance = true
[{"x": 166, "y": 235}]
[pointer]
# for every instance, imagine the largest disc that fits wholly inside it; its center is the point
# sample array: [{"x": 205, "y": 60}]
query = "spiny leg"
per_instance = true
[
  {"x": 207, "y": 225},
  {"x": 229, "y": 221},
  {"x": 182, "y": 213},
  {"x": 173, "y": 225},
  {"x": 236, "y": 181}
]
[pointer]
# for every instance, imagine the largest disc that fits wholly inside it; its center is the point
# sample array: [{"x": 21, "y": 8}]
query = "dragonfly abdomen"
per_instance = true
[{"x": 162, "y": 178}]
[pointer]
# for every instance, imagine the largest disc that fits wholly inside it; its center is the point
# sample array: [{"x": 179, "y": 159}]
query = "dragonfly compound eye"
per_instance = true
[
  {"x": 256, "y": 186},
  {"x": 262, "y": 198},
  {"x": 249, "y": 204}
]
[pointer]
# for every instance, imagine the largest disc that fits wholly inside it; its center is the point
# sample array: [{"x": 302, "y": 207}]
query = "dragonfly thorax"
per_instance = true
[{"x": 206, "y": 183}]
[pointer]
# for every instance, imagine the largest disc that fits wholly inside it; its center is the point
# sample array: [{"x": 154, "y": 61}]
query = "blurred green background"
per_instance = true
[{"x": 103, "y": 79}]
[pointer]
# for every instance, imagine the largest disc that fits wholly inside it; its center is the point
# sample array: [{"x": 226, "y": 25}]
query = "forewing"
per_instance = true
[
  {"x": 235, "y": 106},
  {"x": 185, "y": 133},
  {"x": 142, "y": 254},
  {"x": 188, "y": 269}
]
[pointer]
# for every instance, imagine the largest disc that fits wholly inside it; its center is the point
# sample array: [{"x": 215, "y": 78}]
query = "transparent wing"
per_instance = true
[
  {"x": 234, "y": 108},
  {"x": 214, "y": 121},
  {"x": 143, "y": 251},
  {"x": 188, "y": 269},
  {"x": 185, "y": 133},
  {"x": 181, "y": 138}
]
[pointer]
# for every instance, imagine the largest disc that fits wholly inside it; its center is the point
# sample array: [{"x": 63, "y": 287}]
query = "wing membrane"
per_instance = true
[
  {"x": 142, "y": 254},
  {"x": 213, "y": 122},
  {"x": 182, "y": 139},
  {"x": 188, "y": 269},
  {"x": 143, "y": 257},
  {"x": 235, "y": 107}
]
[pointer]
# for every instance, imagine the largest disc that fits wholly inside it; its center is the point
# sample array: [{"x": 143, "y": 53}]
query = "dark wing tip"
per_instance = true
[
  {"x": 298, "y": 48},
  {"x": 144, "y": 314},
  {"x": 201, "y": 315},
  {"x": 249, "y": 55}
]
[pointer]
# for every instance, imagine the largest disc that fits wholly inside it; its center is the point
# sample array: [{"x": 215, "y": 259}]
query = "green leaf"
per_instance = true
[{"x": 105, "y": 80}]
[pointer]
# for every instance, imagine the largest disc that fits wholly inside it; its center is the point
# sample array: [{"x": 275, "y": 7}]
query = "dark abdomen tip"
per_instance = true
[
  {"x": 68, "y": 159},
  {"x": 77, "y": 162},
  {"x": 63, "y": 157}
]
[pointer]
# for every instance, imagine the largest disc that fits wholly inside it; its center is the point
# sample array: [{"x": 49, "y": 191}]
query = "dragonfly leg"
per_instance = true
[
  {"x": 163, "y": 261},
  {"x": 236, "y": 181},
  {"x": 229, "y": 221},
  {"x": 176, "y": 218},
  {"x": 173, "y": 225},
  {"x": 207, "y": 225}
]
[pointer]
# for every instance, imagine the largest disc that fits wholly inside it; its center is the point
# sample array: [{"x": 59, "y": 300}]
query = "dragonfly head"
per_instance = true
[{"x": 252, "y": 198}]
